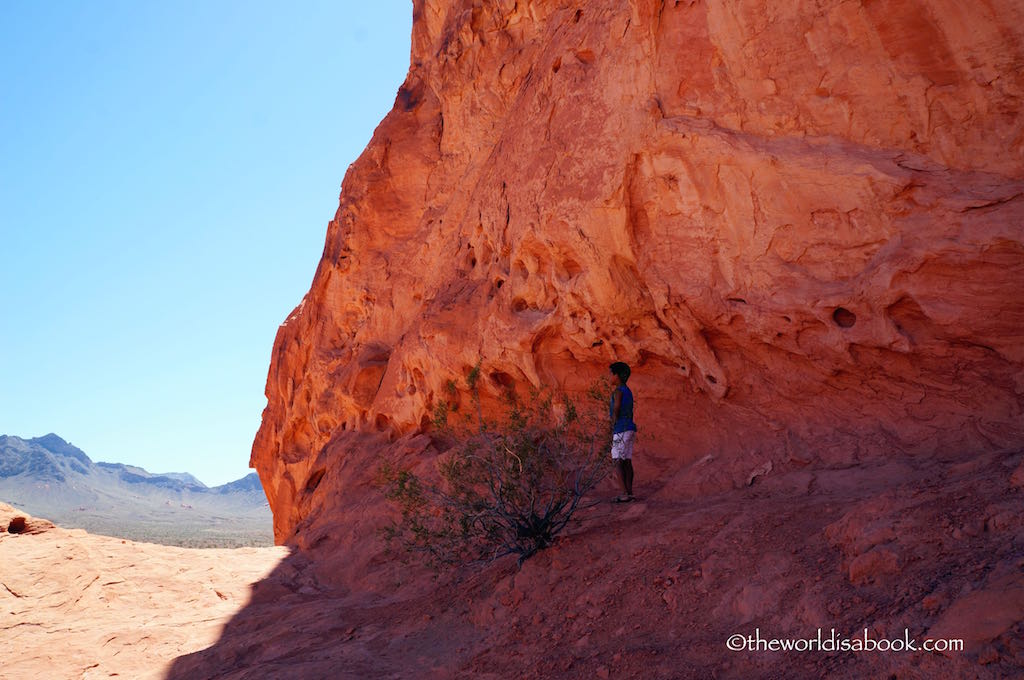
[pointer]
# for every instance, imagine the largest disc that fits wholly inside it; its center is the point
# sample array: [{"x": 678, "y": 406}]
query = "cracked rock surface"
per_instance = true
[{"x": 75, "y": 605}]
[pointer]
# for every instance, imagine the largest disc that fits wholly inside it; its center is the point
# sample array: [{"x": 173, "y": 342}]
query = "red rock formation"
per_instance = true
[
  {"x": 800, "y": 222},
  {"x": 13, "y": 521}
]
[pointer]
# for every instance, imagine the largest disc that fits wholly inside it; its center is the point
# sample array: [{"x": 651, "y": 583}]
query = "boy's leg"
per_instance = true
[
  {"x": 620, "y": 466},
  {"x": 627, "y": 454},
  {"x": 622, "y": 452}
]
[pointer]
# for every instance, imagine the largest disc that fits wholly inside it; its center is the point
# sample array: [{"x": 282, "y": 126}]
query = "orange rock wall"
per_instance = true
[{"x": 800, "y": 222}]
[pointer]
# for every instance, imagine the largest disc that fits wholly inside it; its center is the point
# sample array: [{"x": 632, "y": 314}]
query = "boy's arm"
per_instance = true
[{"x": 616, "y": 403}]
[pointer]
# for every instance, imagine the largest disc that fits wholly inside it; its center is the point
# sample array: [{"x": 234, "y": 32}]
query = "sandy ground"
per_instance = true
[{"x": 75, "y": 605}]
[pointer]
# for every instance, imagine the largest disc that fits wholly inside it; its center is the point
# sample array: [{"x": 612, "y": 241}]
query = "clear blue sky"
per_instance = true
[{"x": 167, "y": 172}]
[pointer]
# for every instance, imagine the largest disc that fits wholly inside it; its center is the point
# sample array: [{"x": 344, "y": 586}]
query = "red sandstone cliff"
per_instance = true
[{"x": 802, "y": 223}]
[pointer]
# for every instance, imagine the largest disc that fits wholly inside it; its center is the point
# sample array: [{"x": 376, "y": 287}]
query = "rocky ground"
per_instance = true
[
  {"x": 655, "y": 589},
  {"x": 75, "y": 605},
  {"x": 648, "y": 590}
]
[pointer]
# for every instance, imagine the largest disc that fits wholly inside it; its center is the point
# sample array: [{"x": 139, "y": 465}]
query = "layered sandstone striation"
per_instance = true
[{"x": 800, "y": 222}]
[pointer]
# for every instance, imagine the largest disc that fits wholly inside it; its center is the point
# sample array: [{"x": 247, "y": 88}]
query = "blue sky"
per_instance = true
[{"x": 167, "y": 172}]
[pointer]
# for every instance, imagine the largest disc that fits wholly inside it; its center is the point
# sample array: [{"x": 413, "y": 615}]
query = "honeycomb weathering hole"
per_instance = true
[
  {"x": 314, "y": 479},
  {"x": 16, "y": 526},
  {"x": 843, "y": 317},
  {"x": 502, "y": 379}
]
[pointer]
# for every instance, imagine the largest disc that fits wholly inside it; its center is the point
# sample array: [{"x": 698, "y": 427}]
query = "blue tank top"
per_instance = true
[{"x": 624, "y": 423}]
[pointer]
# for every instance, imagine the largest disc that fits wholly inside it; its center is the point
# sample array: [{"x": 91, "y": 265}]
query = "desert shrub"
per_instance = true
[{"x": 505, "y": 487}]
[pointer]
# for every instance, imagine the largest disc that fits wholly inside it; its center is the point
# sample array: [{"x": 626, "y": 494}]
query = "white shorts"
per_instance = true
[{"x": 622, "y": 445}]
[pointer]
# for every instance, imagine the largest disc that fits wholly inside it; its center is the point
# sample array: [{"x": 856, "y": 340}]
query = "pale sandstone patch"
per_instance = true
[{"x": 75, "y": 605}]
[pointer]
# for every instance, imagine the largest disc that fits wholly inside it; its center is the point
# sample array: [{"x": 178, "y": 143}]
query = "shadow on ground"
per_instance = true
[{"x": 655, "y": 588}]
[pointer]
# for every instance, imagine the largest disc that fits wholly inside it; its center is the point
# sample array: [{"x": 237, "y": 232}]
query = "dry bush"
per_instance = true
[{"x": 506, "y": 487}]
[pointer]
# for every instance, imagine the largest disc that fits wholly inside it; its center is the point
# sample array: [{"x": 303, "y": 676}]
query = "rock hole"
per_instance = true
[
  {"x": 382, "y": 421},
  {"x": 576, "y": 17},
  {"x": 375, "y": 354},
  {"x": 585, "y": 56},
  {"x": 502, "y": 379},
  {"x": 739, "y": 300},
  {"x": 711, "y": 379},
  {"x": 557, "y": 65},
  {"x": 315, "y": 479},
  {"x": 788, "y": 320},
  {"x": 498, "y": 283},
  {"x": 597, "y": 343},
  {"x": 519, "y": 305},
  {"x": 409, "y": 96},
  {"x": 16, "y": 526},
  {"x": 572, "y": 267},
  {"x": 843, "y": 317}
]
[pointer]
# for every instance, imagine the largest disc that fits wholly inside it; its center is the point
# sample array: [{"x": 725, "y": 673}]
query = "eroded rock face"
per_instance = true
[
  {"x": 800, "y": 222},
  {"x": 14, "y": 521}
]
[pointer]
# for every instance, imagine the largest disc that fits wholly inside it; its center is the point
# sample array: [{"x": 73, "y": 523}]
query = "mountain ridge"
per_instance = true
[{"x": 50, "y": 477}]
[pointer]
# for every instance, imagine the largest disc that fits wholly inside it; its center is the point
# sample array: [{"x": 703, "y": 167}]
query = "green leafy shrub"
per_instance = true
[{"x": 504, "y": 488}]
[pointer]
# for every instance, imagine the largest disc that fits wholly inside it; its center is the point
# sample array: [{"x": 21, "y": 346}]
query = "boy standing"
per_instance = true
[{"x": 623, "y": 430}]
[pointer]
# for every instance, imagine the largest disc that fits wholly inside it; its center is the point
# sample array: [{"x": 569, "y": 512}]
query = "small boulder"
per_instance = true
[{"x": 873, "y": 565}]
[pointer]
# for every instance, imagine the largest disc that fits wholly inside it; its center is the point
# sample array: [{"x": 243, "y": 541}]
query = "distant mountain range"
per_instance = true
[{"x": 48, "y": 477}]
